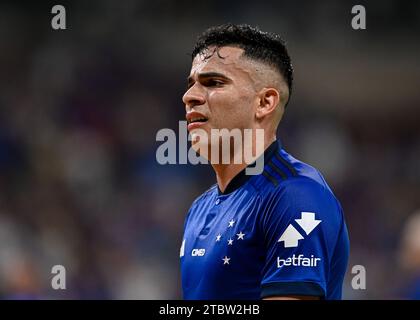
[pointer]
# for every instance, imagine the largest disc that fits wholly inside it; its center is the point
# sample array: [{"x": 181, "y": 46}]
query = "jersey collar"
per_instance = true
[{"x": 240, "y": 179}]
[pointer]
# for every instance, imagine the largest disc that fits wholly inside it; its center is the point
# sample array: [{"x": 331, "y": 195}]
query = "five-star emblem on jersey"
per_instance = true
[
  {"x": 240, "y": 235},
  {"x": 230, "y": 238},
  {"x": 291, "y": 235}
]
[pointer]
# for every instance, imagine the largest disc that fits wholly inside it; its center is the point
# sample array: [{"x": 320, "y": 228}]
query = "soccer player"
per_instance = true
[{"x": 280, "y": 234}]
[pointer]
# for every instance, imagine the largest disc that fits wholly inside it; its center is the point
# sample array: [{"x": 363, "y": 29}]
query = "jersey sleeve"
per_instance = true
[{"x": 301, "y": 227}]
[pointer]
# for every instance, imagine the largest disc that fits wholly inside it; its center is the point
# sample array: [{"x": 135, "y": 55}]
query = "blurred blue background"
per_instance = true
[{"x": 80, "y": 109}]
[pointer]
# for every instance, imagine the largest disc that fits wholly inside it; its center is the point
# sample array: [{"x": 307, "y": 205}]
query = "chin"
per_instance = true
[{"x": 200, "y": 141}]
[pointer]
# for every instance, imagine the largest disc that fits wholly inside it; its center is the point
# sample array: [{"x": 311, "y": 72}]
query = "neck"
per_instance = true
[{"x": 226, "y": 172}]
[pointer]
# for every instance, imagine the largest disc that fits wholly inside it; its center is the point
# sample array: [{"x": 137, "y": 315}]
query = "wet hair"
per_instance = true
[{"x": 265, "y": 47}]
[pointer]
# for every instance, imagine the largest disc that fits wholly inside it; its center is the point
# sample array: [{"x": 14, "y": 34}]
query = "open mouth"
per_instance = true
[{"x": 198, "y": 119}]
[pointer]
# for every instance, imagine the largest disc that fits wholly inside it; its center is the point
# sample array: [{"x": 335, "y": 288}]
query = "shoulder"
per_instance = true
[
  {"x": 299, "y": 196},
  {"x": 302, "y": 189},
  {"x": 283, "y": 173}
]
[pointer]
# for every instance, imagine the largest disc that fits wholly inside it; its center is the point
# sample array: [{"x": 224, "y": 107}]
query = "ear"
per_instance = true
[{"x": 269, "y": 99}]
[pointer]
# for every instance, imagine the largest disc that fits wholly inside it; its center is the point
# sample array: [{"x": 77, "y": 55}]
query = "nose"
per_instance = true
[{"x": 193, "y": 97}]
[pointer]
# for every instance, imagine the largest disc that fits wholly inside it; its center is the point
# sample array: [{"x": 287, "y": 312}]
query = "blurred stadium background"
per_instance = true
[{"x": 80, "y": 109}]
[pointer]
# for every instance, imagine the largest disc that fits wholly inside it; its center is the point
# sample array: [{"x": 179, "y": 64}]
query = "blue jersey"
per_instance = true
[{"x": 278, "y": 233}]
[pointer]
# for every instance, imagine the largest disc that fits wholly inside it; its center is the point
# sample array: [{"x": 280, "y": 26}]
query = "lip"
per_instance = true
[{"x": 195, "y": 125}]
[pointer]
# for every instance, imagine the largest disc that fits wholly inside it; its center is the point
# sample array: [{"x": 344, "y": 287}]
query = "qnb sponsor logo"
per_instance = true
[
  {"x": 298, "y": 261},
  {"x": 198, "y": 252}
]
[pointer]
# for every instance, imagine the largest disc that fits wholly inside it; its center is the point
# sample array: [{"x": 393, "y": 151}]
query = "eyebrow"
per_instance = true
[{"x": 205, "y": 75}]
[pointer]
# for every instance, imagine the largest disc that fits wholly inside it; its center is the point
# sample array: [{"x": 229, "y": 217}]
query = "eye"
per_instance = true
[{"x": 214, "y": 83}]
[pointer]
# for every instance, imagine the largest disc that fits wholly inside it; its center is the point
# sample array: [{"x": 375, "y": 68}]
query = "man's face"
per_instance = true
[{"x": 222, "y": 91}]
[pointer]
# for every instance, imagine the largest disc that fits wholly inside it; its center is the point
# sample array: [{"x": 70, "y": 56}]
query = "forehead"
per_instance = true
[{"x": 227, "y": 60}]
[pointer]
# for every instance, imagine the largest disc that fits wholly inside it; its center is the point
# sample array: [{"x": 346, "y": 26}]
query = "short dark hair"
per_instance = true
[{"x": 266, "y": 47}]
